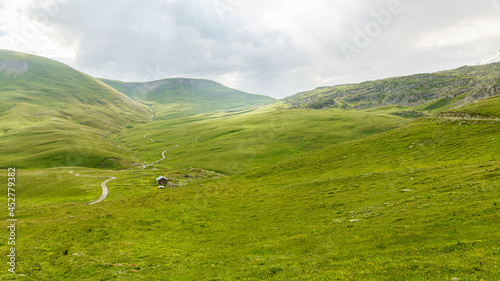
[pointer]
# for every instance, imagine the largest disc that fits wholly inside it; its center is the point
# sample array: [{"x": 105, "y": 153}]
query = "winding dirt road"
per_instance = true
[
  {"x": 162, "y": 154},
  {"x": 103, "y": 184},
  {"x": 162, "y": 157},
  {"x": 104, "y": 191},
  {"x": 146, "y": 137}
]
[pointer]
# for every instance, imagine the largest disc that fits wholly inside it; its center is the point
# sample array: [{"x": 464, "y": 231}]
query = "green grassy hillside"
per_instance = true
[
  {"x": 52, "y": 115},
  {"x": 486, "y": 108},
  {"x": 234, "y": 142},
  {"x": 415, "y": 203},
  {"x": 181, "y": 97},
  {"x": 429, "y": 93},
  {"x": 327, "y": 194}
]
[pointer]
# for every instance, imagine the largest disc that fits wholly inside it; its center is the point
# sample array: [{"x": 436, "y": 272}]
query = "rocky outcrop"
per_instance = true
[
  {"x": 447, "y": 88},
  {"x": 13, "y": 67}
]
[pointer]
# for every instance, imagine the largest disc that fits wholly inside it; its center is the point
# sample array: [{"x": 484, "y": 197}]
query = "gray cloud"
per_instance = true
[{"x": 274, "y": 47}]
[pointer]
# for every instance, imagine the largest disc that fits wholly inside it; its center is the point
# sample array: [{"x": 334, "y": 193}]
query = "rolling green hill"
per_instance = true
[
  {"x": 52, "y": 115},
  {"x": 327, "y": 194},
  {"x": 419, "y": 202},
  {"x": 485, "y": 108},
  {"x": 182, "y": 97},
  {"x": 424, "y": 92}
]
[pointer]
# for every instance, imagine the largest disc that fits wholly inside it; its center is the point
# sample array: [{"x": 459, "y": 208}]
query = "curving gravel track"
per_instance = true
[
  {"x": 162, "y": 157},
  {"x": 104, "y": 191}
]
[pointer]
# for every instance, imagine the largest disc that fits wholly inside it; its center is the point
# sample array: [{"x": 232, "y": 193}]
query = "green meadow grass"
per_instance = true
[
  {"x": 233, "y": 142},
  {"x": 486, "y": 108},
  {"x": 415, "y": 203},
  {"x": 36, "y": 136},
  {"x": 311, "y": 194}
]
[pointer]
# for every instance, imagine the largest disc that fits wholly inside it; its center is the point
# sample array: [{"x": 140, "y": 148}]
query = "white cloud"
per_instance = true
[
  {"x": 463, "y": 32},
  {"x": 267, "y": 47},
  {"x": 28, "y": 31},
  {"x": 231, "y": 79}
]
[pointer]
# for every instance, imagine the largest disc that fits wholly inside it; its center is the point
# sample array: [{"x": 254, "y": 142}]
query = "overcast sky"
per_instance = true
[{"x": 271, "y": 47}]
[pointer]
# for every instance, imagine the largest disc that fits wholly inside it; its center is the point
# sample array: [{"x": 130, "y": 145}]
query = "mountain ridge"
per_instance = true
[
  {"x": 182, "y": 97},
  {"x": 53, "y": 115},
  {"x": 428, "y": 92}
]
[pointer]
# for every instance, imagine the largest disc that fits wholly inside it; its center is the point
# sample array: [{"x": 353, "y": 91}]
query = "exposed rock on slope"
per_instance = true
[{"x": 432, "y": 91}]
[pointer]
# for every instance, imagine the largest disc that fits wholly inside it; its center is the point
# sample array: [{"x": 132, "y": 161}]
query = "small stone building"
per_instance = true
[{"x": 161, "y": 180}]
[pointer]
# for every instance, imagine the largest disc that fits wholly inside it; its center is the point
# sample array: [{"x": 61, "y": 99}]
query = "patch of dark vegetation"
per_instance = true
[{"x": 409, "y": 114}]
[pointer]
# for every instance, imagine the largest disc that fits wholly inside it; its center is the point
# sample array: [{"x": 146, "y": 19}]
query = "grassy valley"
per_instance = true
[
  {"x": 415, "y": 203},
  {"x": 230, "y": 143},
  {"x": 270, "y": 192}
]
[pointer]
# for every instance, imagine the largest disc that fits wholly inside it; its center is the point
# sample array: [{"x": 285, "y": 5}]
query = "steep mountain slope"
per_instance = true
[
  {"x": 416, "y": 203},
  {"x": 181, "y": 97},
  {"x": 53, "y": 115},
  {"x": 486, "y": 108},
  {"x": 425, "y": 92}
]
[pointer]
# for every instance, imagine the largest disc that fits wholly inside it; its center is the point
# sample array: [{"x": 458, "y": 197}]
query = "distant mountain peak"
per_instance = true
[
  {"x": 182, "y": 97},
  {"x": 490, "y": 59}
]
